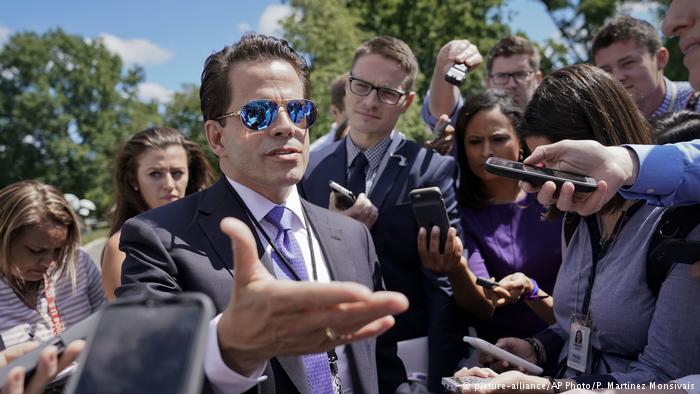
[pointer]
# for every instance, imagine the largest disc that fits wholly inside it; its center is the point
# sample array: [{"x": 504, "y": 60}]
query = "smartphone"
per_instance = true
[
  {"x": 457, "y": 74},
  {"x": 344, "y": 198},
  {"x": 501, "y": 354},
  {"x": 455, "y": 385},
  {"x": 146, "y": 346},
  {"x": 429, "y": 209},
  {"x": 29, "y": 361},
  {"x": 538, "y": 175},
  {"x": 676, "y": 251},
  {"x": 486, "y": 283}
]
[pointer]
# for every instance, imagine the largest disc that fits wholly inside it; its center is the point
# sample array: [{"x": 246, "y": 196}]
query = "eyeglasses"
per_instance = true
[
  {"x": 258, "y": 115},
  {"x": 385, "y": 95},
  {"x": 518, "y": 76}
]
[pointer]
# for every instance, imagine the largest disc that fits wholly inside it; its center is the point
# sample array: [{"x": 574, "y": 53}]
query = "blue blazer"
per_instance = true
[
  {"x": 432, "y": 310},
  {"x": 179, "y": 247}
]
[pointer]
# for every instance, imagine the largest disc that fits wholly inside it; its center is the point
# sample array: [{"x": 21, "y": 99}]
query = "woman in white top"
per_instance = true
[{"x": 46, "y": 283}]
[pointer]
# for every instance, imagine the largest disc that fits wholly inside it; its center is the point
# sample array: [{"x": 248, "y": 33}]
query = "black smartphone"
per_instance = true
[
  {"x": 674, "y": 250},
  {"x": 146, "y": 346},
  {"x": 429, "y": 209},
  {"x": 538, "y": 175},
  {"x": 344, "y": 198},
  {"x": 29, "y": 361},
  {"x": 486, "y": 283},
  {"x": 456, "y": 74}
]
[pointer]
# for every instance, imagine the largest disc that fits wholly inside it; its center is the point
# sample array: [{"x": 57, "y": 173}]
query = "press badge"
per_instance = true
[{"x": 579, "y": 346}]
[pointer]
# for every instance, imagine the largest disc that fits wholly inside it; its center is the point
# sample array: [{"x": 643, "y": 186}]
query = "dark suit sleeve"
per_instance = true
[
  {"x": 148, "y": 269},
  {"x": 447, "y": 325},
  {"x": 390, "y": 369}
]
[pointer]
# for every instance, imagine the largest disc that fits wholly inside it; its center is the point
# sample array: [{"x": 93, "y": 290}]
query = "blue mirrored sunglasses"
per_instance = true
[{"x": 258, "y": 115}]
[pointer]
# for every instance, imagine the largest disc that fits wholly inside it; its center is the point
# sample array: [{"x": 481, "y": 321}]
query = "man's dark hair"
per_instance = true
[
  {"x": 337, "y": 90},
  {"x": 394, "y": 49},
  {"x": 216, "y": 91},
  {"x": 511, "y": 46},
  {"x": 625, "y": 28}
]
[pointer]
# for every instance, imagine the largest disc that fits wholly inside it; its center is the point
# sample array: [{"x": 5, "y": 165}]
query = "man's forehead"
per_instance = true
[
  {"x": 511, "y": 63},
  {"x": 264, "y": 79},
  {"x": 379, "y": 70}
]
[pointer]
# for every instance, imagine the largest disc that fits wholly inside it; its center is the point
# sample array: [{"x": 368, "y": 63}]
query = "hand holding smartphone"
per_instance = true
[
  {"x": 146, "y": 346},
  {"x": 429, "y": 209},
  {"x": 344, "y": 198},
  {"x": 538, "y": 175},
  {"x": 501, "y": 354}
]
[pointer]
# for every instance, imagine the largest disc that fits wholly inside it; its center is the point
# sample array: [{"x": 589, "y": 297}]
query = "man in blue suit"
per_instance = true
[
  {"x": 283, "y": 311},
  {"x": 381, "y": 167}
]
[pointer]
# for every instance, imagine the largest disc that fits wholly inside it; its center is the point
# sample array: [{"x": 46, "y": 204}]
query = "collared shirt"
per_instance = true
[
  {"x": 225, "y": 380},
  {"x": 374, "y": 156},
  {"x": 682, "y": 92}
]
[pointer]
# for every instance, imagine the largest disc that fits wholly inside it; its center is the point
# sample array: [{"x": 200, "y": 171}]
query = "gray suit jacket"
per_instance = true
[{"x": 179, "y": 247}]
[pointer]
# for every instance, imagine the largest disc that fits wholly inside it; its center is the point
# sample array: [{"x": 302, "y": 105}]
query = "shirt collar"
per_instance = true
[
  {"x": 259, "y": 205},
  {"x": 374, "y": 154}
]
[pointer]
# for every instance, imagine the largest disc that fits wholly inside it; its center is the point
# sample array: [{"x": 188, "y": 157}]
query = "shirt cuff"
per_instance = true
[
  {"x": 656, "y": 162},
  {"x": 222, "y": 378},
  {"x": 431, "y": 120}
]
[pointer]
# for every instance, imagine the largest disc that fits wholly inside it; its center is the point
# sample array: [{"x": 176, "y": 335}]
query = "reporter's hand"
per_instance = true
[
  {"x": 515, "y": 285},
  {"x": 429, "y": 251},
  {"x": 455, "y": 52},
  {"x": 612, "y": 166},
  {"x": 517, "y": 346},
  {"x": 363, "y": 210},
  {"x": 501, "y": 383},
  {"x": 443, "y": 141},
  {"x": 266, "y": 318},
  {"x": 47, "y": 367}
]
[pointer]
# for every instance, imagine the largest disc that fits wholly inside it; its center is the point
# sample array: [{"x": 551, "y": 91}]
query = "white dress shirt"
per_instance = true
[{"x": 224, "y": 379}]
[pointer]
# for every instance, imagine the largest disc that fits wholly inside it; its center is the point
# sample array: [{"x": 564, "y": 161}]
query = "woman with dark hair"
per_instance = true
[
  {"x": 630, "y": 333},
  {"x": 676, "y": 127},
  {"x": 154, "y": 167},
  {"x": 47, "y": 284},
  {"x": 504, "y": 234}
]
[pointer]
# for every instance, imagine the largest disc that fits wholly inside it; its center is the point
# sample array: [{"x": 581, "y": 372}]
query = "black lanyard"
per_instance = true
[{"x": 599, "y": 247}]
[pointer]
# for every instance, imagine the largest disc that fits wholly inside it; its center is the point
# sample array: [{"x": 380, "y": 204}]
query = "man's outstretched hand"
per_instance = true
[{"x": 266, "y": 317}]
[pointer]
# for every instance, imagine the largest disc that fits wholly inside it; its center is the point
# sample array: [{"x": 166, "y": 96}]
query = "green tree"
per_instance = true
[{"x": 65, "y": 105}]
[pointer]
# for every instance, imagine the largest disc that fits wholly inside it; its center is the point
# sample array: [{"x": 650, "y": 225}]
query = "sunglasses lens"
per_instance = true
[
  {"x": 302, "y": 112},
  {"x": 258, "y": 114}
]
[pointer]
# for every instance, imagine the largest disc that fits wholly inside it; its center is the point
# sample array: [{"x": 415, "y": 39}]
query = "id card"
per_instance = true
[{"x": 579, "y": 346}]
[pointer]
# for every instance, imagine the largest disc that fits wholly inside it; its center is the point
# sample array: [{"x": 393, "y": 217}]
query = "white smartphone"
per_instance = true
[
  {"x": 455, "y": 384},
  {"x": 501, "y": 354},
  {"x": 538, "y": 175}
]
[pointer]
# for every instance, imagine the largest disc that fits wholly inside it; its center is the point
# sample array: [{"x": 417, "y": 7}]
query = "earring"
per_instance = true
[
  {"x": 521, "y": 156},
  {"x": 136, "y": 188}
]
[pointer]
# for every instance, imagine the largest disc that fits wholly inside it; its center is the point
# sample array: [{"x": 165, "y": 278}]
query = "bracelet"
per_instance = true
[
  {"x": 537, "y": 349},
  {"x": 555, "y": 385},
  {"x": 535, "y": 290}
]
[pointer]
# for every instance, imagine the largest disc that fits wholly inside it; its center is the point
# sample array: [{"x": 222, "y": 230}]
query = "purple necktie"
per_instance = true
[{"x": 318, "y": 372}]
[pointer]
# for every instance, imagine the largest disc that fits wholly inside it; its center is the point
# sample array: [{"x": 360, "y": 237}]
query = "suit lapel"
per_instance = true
[
  {"x": 330, "y": 238},
  {"x": 397, "y": 164},
  {"x": 219, "y": 202}
]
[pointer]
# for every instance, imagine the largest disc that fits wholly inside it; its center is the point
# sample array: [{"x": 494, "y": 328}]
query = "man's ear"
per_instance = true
[
  {"x": 409, "y": 100},
  {"x": 662, "y": 57},
  {"x": 538, "y": 76},
  {"x": 215, "y": 137}
]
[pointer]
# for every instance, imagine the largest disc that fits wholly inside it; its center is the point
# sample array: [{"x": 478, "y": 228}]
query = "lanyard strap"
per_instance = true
[
  {"x": 50, "y": 294},
  {"x": 600, "y": 247}
]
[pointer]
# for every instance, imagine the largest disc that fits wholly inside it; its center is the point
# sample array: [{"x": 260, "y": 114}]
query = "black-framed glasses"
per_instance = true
[
  {"x": 518, "y": 76},
  {"x": 385, "y": 95},
  {"x": 259, "y": 114}
]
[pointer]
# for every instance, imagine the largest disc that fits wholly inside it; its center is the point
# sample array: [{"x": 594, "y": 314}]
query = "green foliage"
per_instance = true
[
  {"x": 184, "y": 113},
  {"x": 65, "y": 105}
]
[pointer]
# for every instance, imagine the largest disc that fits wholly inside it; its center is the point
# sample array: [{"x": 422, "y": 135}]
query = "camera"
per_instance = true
[{"x": 456, "y": 74}]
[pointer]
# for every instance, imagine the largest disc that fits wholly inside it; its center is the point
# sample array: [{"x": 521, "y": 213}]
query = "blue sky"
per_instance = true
[{"x": 171, "y": 39}]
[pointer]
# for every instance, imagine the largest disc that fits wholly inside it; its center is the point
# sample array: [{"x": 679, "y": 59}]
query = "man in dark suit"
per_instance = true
[
  {"x": 254, "y": 98},
  {"x": 381, "y": 167}
]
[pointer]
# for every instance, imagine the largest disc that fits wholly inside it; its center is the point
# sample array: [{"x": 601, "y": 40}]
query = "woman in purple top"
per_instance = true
[{"x": 504, "y": 234}]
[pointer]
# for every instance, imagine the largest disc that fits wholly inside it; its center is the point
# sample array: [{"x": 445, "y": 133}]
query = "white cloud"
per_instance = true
[
  {"x": 243, "y": 27},
  {"x": 149, "y": 91},
  {"x": 638, "y": 9},
  {"x": 269, "y": 22},
  {"x": 136, "y": 50},
  {"x": 4, "y": 35}
]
